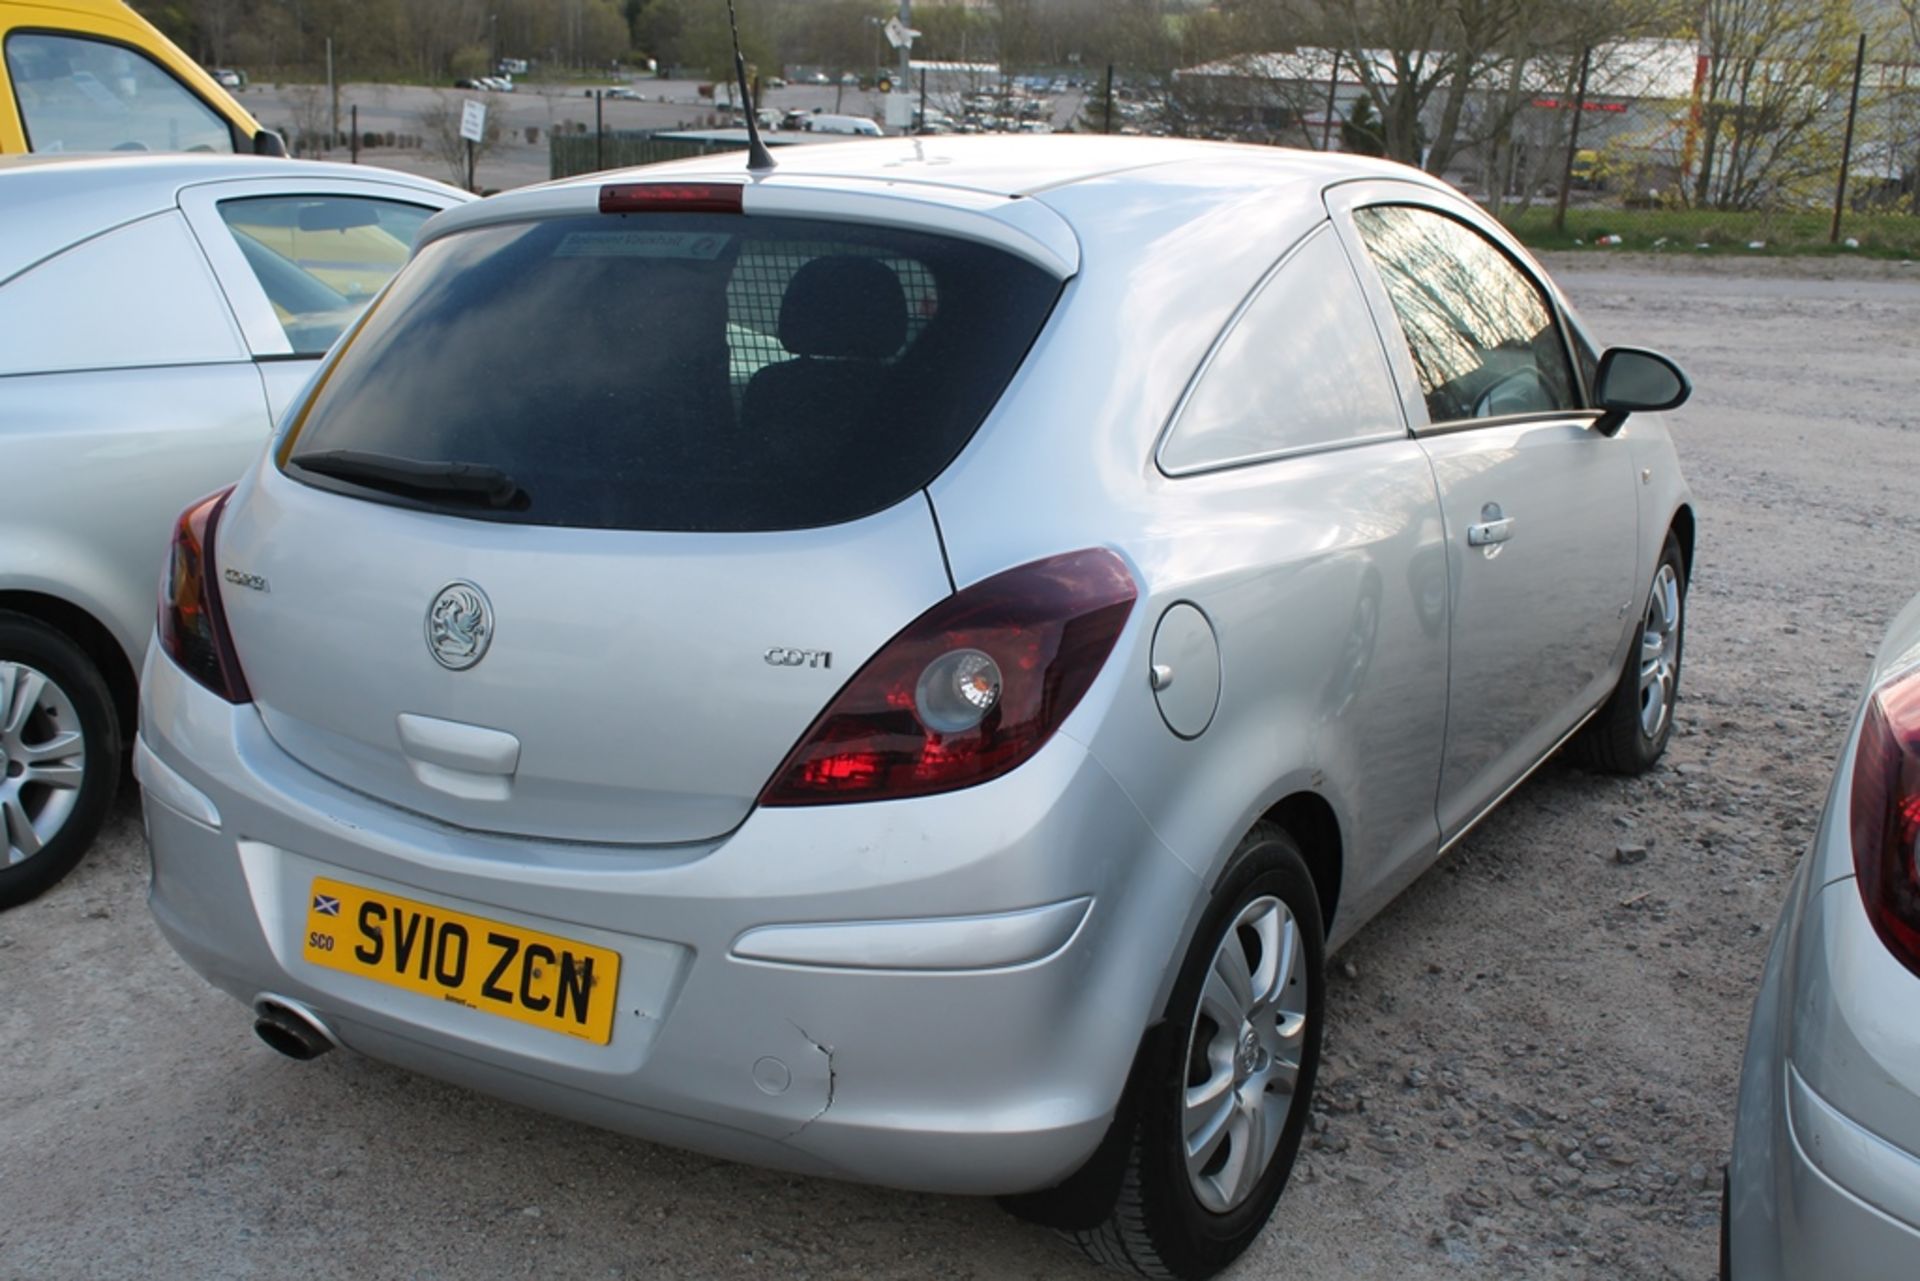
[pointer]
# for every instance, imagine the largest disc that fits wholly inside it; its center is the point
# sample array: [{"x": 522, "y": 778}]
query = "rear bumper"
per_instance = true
[
  {"x": 942, "y": 994},
  {"x": 1812, "y": 1190}
]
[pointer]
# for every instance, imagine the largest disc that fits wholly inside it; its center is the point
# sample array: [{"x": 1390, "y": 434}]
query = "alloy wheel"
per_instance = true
[
  {"x": 42, "y": 760},
  {"x": 1659, "y": 652},
  {"x": 1243, "y": 1054}
]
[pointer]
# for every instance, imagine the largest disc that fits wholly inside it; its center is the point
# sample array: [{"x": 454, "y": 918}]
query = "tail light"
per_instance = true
[
  {"x": 672, "y": 197},
  {"x": 193, "y": 626},
  {"x": 972, "y": 688},
  {"x": 1885, "y": 816}
]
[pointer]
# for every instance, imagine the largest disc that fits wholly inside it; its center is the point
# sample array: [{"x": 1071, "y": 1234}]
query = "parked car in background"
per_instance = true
[
  {"x": 159, "y": 313},
  {"x": 227, "y": 78},
  {"x": 913, "y": 685},
  {"x": 93, "y": 75},
  {"x": 827, "y": 122},
  {"x": 1825, "y": 1178}
]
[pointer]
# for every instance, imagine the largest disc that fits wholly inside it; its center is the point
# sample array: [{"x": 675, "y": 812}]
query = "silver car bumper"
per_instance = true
[
  {"x": 1814, "y": 1191},
  {"x": 942, "y": 994}
]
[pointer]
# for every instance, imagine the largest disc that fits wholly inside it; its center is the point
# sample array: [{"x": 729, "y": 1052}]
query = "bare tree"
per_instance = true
[
  {"x": 440, "y": 133},
  {"x": 1777, "y": 74},
  {"x": 311, "y": 120},
  {"x": 1464, "y": 68}
]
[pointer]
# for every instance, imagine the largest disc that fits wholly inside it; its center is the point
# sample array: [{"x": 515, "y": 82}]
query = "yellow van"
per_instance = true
[{"x": 93, "y": 75}]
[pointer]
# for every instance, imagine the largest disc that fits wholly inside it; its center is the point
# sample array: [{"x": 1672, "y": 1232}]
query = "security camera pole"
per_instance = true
[
  {"x": 906, "y": 47},
  {"x": 900, "y": 34}
]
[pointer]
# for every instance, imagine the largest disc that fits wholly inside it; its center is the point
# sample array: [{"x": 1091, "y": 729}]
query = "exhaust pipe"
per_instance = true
[{"x": 291, "y": 1028}]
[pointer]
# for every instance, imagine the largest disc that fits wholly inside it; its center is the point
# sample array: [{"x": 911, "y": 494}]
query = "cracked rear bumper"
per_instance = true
[{"x": 941, "y": 994}]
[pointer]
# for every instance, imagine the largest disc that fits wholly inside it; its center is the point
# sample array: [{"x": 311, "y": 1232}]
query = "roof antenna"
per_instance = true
[{"x": 759, "y": 159}]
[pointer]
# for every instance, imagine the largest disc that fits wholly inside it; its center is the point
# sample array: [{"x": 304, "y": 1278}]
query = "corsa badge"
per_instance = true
[{"x": 459, "y": 626}]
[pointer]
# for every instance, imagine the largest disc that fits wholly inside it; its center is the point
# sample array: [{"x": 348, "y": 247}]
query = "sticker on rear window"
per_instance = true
[{"x": 700, "y": 245}]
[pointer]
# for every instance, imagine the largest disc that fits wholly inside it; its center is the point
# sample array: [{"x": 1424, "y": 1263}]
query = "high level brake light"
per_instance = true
[
  {"x": 671, "y": 197},
  {"x": 1885, "y": 814},
  {"x": 970, "y": 690},
  {"x": 193, "y": 626}
]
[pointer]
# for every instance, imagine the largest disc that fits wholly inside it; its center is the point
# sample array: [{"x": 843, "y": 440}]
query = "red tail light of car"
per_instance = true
[
  {"x": 193, "y": 626},
  {"x": 1885, "y": 815},
  {"x": 672, "y": 197},
  {"x": 968, "y": 691}
]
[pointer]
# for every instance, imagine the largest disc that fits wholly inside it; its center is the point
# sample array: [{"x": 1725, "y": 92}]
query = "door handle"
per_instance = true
[{"x": 1489, "y": 532}]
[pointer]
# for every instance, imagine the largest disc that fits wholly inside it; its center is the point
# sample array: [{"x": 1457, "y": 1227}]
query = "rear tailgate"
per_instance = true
[
  {"x": 626, "y": 694},
  {"x": 651, "y": 485}
]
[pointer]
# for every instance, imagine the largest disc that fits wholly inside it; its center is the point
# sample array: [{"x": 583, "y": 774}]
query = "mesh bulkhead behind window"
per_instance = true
[{"x": 682, "y": 371}]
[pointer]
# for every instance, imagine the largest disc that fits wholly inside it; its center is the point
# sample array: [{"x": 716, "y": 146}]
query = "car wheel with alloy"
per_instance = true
[
  {"x": 1219, "y": 1101},
  {"x": 1631, "y": 729},
  {"x": 59, "y": 756}
]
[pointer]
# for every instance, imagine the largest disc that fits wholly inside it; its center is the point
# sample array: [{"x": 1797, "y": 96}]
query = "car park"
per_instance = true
[
  {"x": 160, "y": 311},
  {"x": 1825, "y": 1174},
  {"x": 93, "y": 75},
  {"x": 889, "y": 752}
]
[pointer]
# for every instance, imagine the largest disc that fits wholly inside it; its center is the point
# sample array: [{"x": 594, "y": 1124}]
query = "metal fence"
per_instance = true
[
  {"x": 591, "y": 151},
  {"x": 1660, "y": 143}
]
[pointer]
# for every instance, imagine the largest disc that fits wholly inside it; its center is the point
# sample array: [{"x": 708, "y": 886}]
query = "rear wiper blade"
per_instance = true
[{"x": 470, "y": 481}]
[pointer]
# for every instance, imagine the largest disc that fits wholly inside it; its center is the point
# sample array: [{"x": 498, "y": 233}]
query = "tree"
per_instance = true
[
  {"x": 1360, "y": 131},
  {"x": 440, "y": 127},
  {"x": 705, "y": 42},
  {"x": 1457, "y": 71},
  {"x": 1778, "y": 72}
]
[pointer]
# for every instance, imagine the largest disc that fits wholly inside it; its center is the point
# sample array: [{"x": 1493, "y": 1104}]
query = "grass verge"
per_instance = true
[{"x": 1707, "y": 231}]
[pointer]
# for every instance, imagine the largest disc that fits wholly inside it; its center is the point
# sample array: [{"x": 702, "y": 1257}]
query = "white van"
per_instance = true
[{"x": 826, "y": 122}]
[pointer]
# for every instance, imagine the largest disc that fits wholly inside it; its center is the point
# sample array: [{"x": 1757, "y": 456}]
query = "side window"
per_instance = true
[
  {"x": 1483, "y": 336},
  {"x": 78, "y": 94},
  {"x": 1301, "y": 368},
  {"x": 320, "y": 258}
]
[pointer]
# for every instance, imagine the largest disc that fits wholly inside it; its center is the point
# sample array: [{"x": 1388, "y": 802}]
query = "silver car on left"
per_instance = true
[{"x": 157, "y": 313}]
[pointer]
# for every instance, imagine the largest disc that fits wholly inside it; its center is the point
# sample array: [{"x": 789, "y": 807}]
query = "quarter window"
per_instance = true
[
  {"x": 1482, "y": 335},
  {"x": 320, "y": 259},
  {"x": 1301, "y": 369},
  {"x": 77, "y": 94}
]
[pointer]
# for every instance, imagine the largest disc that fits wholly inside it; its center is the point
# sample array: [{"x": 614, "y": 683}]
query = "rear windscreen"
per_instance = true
[{"x": 677, "y": 371}]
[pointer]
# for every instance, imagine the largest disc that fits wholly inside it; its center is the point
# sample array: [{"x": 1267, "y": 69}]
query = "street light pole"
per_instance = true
[
  {"x": 333, "y": 102},
  {"x": 906, "y": 50}
]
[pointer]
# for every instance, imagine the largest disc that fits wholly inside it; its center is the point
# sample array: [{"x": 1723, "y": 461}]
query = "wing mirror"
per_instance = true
[
  {"x": 269, "y": 143},
  {"x": 1632, "y": 380}
]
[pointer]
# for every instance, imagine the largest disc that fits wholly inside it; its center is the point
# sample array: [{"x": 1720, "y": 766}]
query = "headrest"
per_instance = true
[{"x": 844, "y": 306}]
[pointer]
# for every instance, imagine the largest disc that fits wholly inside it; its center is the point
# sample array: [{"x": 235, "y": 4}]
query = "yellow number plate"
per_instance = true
[{"x": 550, "y": 982}]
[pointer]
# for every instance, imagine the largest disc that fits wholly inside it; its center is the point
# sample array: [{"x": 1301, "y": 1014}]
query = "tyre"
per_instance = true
[
  {"x": 1214, "y": 1114},
  {"x": 59, "y": 756},
  {"x": 1727, "y": 1224},
  {"x": 1630, "y": 731}
]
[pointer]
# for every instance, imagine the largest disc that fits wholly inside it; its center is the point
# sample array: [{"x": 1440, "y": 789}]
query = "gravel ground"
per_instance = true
[{"x": 1531, "y": 1056}]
